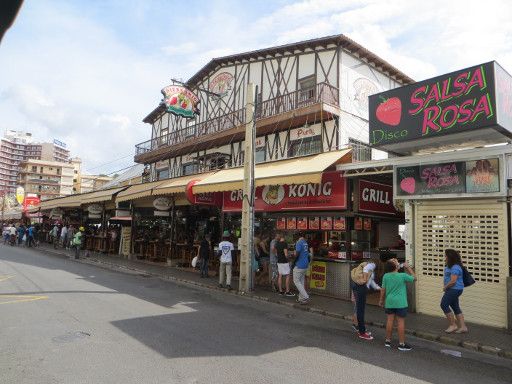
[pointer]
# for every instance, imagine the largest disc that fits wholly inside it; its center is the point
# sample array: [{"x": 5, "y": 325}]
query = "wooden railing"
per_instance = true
[{"x": 320, "y": 93}]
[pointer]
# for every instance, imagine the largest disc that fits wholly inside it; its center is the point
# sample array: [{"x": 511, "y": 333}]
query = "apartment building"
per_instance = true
[
  {"x": 17, "y": 146},
  {"x": 46, "y": 179}
]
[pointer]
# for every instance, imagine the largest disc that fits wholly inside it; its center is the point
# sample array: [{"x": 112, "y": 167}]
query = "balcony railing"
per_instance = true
[{"x": 320, "y": 93}]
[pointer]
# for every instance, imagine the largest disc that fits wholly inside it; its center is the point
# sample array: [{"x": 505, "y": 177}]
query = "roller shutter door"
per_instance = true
[{"x": 478, "y": 230}]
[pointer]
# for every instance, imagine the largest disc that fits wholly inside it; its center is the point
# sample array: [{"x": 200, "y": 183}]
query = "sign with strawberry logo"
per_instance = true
[
  {"x": 180, "y": 101},
  {"x": 468, "y": 105}
]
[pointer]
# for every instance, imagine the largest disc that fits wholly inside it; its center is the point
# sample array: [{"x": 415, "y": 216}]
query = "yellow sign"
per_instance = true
[
  {"x": 126, "y": 237},
  {"x": 318, "y": 278},
  {"x": 20, "y": 195}
]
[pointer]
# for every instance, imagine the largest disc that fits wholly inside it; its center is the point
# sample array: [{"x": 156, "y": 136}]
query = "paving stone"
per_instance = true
[
  {"x": 506, "y": 354},
  {"x": 471, "y": 345},
  {"x": 427, "y": 335},
  {"x": 490, "y": 350},
  {"x": 449, "y": 340}
]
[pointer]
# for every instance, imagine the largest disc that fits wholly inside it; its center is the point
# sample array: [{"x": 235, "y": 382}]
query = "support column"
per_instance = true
[{"x": 247, "y": 237}]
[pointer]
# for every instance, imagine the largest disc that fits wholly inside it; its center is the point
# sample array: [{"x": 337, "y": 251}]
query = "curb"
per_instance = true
[{"x": 442, "y": 339}]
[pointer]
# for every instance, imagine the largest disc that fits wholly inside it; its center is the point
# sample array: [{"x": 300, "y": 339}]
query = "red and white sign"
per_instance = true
[
  {"x": 339, "y": 224},
  {"x": 210, "y": 198},
  {"x": 376, "y": 198},
  {"x": 259, "y": 142},
  {"x": 30, "y": 201},
  {"x": 330, "y": 194},
  {"x": 301, "y": 133}
]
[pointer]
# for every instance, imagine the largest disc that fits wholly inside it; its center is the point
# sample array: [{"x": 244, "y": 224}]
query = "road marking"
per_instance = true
[
  {"x": 20, "y": 298},
  {"x": 6, "y": 277}
]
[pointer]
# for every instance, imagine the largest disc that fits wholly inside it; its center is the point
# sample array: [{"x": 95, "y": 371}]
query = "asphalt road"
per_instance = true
[{"x": 67, "y": 322}]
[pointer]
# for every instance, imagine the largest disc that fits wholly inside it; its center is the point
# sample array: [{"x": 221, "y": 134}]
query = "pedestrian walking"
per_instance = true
[
  {"x": 21, "y": 233},
  {"x": 274, "y": 273},
  {"x": 226, "y": 261},
  {"x": 393, "y": 296},
  {"x": 453, "y": 288},
  {"x": 71, "y": 235},
  {"x": 77, "y": 242},
  {"x": 204, "y": 255},
  {"x": 30, "y": 235},
  {"x": 283, "y": 267},
  {"x": 12, "y": 234},
  {"x": 301, "y": 264},
  {"x": 64, "y": 236},
  {"x": 361, "y": 277}
]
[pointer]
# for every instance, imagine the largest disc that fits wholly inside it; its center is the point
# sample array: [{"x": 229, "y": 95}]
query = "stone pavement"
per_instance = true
[{"x": 486, "y": 339}]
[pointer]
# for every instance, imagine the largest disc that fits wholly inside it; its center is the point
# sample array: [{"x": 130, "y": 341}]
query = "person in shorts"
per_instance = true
[
  {"x": 393, "y": 296},
  {"x": 283, "y": 266}
]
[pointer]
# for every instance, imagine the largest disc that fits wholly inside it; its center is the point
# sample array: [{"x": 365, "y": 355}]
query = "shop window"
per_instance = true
[
  {"x": 190, "y": 169},
  {"x": 305, "y": 146}
]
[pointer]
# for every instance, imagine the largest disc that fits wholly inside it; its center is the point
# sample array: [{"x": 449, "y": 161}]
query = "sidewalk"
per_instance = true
[{"x": 489, "y": 340}]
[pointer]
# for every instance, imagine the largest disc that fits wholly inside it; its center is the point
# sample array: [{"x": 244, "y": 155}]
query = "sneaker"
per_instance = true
[
  {"x": 289, "y": 294},
  {"x": 404, "y": 347},
  {"x": 355, "y": 328},
  {"x": 303, "y": 301},
  {"x": 387, "y": 344},
  {"x": 229, "y": 287},
  {"x": 365, "y": 336}
]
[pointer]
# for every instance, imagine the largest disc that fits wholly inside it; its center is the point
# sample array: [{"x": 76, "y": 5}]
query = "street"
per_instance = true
[{"x": 67, "y": 322}]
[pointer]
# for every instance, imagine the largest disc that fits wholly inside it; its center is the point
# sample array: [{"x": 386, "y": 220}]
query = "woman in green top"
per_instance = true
[{"x": 394, "y": 291}]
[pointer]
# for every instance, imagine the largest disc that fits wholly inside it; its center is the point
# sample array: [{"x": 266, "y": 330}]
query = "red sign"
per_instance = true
[
  {"x": 291, "y": 223},
  {"x": 302, "y": 223},
  {"x": 314, "y": 223},
  {"x": 376, "y": 198},
  {"x": 339, "y": 224},
  {"x": 281, "y": 223},
  {"x": 358, "y": 223},
  {"x": 367, "y": 224},
  {"x": 30, "y": 202},
  {"x": 210, "y": 198},
  {"x": 326, "y": 223},
  {"x": 330, "y": 194}
]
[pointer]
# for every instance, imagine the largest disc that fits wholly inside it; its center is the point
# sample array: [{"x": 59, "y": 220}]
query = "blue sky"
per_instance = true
[{"x": 88, "y": 72}]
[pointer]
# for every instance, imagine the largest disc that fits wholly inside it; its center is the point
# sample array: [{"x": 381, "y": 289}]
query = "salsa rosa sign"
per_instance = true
[{"x": 331, "y": 193}]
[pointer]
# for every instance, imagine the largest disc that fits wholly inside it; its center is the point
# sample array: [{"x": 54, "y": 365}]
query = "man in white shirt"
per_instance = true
[
  {"x": 226, "y": 261},
  {"x": 64, "y": 236}
]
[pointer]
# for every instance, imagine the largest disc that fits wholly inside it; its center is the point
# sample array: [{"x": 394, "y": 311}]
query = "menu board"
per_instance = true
[
  {"x": 281, "y": 223},
  {"x": 291, "y": 223},
  {"x": 302, "y": 223},
  {"x": 314, "y": 223},
  {"x": 339, "y": 224},
  {"x": 358, "y": 223},
  {"x": 326, "y": 223},
  {"x": 475, "y": 176},
  {"x": 367, "y": 224}
]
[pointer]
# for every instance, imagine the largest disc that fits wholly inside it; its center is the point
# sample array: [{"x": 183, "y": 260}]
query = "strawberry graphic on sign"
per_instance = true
[
  {"x": 389, "y": 111},
  {"x": 180, "y": 101}
]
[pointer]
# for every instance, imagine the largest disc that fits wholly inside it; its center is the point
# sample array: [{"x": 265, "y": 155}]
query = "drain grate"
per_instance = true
[{"x": 70, "y": 337}]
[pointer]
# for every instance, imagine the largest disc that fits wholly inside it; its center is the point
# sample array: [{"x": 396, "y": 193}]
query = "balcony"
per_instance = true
[{"x": 271, "y": 115}]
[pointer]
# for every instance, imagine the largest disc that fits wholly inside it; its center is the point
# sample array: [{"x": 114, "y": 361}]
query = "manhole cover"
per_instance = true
[{"x": 70, "y": 336}]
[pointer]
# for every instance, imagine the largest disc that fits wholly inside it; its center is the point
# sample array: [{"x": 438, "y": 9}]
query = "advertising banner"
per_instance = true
[
  {"x": 451, "y": 178},
  {"x": 443, "y": 106},
  {"x": 318, "y": 279},
  {"x": 180, "y": 101},
  {"x": 330, "y": 194}
]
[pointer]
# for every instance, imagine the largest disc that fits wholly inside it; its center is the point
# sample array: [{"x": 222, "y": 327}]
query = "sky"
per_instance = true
[{"x": 87, "y": 72}]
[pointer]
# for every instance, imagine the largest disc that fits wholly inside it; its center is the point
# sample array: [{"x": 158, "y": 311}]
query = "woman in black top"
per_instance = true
[{"x": 204, "y": 256}]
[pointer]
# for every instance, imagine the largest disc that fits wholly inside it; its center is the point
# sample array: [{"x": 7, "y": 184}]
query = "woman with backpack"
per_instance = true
[
  {"x": 362, "y": 277},
  {"x": 453, "y": 288}
]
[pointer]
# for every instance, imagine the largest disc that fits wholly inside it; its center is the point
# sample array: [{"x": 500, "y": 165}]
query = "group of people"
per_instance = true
[
  {"x": 19, "y": 234},
  {"x": 393, "y": 296},
  {"x": 67, "y": 237}
]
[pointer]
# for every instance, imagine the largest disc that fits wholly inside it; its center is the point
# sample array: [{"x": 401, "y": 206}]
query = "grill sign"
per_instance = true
[{"x": 376, "y": 198}]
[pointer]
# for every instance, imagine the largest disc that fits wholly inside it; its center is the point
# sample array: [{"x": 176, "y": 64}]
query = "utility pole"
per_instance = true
[{"x": 246, "y": 283}]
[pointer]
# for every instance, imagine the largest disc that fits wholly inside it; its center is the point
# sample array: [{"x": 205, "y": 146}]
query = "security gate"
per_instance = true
[{"x": 478, "y": 229}]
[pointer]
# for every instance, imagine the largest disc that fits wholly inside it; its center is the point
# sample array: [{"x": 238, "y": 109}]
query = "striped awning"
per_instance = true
[
  {"x": 137, "y": 191},
  {"x": 179, "y": 184},
  {"x": 100, "y": 196}
]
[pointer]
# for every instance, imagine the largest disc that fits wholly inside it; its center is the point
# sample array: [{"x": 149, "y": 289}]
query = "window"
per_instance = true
[
  {"x": 307, "y": 89},
  {"x": 260, "y": 155},
  {"x": 190, "y": 169},
  {"x": 360, "y": 150},
  {"x": 305, "y": 146},
  {"x": 218, "y": 162},
  {"x": 163, "y": 174},
  {"x": 34, "y": 168}
]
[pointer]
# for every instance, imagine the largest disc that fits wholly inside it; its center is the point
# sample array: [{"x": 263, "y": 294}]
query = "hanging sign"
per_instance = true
[
  {"x": 162, "y": 203},
  {"x": 302, "y": 223},
  {"x": 304, "y": 132},
  {"x": 367, "y": 224},
  {"x": 221, "y": 84},
  {"x": 376, "y": 198},
  {"x": 20, "y": 194},
  {"x": 281, "y": 223},
  {"x": 30, "y": 201},
  {"x": 358, "y": 223},
  {"x": 326, "y": 223},
  {"x": 180, "y": 101},
  {"x": 438, "y": 111},
  {"x": 339, "y": 224},
  {"x": 452, "y": 178},
  {"x": 330, "y": 194},
  {"x": 208, "y": 198},
  {"x": 318, "y": 278},
  {"x": 314, "y": 223},
  {"x": 291, "y": 223}
]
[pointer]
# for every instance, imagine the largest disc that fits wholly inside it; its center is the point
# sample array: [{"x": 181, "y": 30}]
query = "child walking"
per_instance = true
[{"x": 393, "y": 296}]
